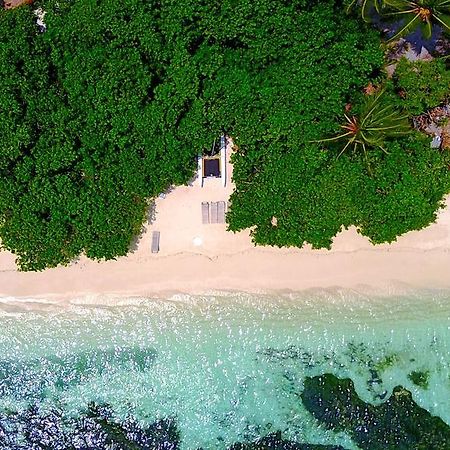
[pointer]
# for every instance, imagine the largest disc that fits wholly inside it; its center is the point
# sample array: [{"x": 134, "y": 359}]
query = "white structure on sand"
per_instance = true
[{"x": 213, "y": 165}]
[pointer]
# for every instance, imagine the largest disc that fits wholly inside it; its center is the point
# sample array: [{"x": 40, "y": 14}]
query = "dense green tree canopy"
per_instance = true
[
  {"x": 112, "y": 103},
  {"x": 422, "y": 84}
]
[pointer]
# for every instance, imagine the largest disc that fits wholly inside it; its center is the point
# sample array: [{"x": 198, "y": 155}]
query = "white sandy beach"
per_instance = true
[{"x": 228, "y": 261}]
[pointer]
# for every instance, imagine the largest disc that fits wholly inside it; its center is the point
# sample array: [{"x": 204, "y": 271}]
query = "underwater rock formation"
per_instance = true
[{"x": 398, "y": 423}]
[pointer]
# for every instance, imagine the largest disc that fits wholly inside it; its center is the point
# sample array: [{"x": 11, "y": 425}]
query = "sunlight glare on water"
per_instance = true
[{"x": 228, "y": 367}]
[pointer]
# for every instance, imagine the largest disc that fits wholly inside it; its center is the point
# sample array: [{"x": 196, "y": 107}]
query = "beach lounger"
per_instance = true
[
  {"x": 214, "y": 216},
  {"x": 200, "y": 170},
  {"x": 220, "y": 212},
  {"x": 205, "y": 212},
  {"x": 223, "y": 160},
  {"x": 155, "y": 242}
]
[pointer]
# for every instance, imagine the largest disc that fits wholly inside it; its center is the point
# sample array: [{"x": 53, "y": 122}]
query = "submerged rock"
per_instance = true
[
  {"x": 398, "y": 423},
  {"x": 95, "y": 429},
  {"x": 98, "y": 429},
  {"x": 275, "y": 442}
]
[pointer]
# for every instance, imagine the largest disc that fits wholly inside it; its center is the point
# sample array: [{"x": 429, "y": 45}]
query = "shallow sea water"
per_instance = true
[{"x": 227, "y": 367}]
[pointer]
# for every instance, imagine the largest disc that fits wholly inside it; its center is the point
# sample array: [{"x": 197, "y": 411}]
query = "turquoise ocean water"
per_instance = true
[{"x": 225, "y": 368}]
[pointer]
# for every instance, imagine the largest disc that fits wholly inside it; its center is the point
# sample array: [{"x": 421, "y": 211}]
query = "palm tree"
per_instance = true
[
  {"x": 377, "y": 122},
  {"x": 420, "y": 13}
]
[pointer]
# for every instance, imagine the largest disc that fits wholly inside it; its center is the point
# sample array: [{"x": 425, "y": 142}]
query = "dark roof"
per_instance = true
[{"x": 211, "y": 167}]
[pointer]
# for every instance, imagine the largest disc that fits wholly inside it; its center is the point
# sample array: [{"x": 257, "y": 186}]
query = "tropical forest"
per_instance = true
[{"x": 338, "y": 111}]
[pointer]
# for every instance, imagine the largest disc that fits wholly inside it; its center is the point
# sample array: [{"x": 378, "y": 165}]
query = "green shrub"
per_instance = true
[
  {"x": 421, "y": 85},
  {"x": 98, "y": 114},
  {"x": 313, "y": 199},
  {"x": 405, "y": 191}
]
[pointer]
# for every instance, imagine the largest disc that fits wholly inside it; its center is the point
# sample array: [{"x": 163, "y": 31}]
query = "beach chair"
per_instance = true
[
  {"x": 223, "y": 160},
  {"x": 205, "y": 212},
  {"x": 220, "y": 212},
  {"x": 214, "y": 211},
  {"x": 155, "y": 242}
]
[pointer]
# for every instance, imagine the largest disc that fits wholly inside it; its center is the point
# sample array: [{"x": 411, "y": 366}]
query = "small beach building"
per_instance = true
[{"x": 212, "y": 163}]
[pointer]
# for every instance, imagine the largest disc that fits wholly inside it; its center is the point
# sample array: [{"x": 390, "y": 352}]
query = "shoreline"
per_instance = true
[
  {"x": 384, "y": 272},
  {"x": 197, "y": 258}
]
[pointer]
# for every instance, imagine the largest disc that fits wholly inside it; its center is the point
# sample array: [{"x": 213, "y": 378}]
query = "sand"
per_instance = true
[{"x": 227, "y": 261}]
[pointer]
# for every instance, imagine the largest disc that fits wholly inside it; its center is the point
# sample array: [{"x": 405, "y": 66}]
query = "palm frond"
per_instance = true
[
  {"x": 366, "y": 7},
  {"x": 411, "y": 23},
  {"x": 335, "y": 138},
  {"x": 443, "y": 19},
  {"x": 350, "y": 6},
  {"x": 372, "y": 106},
  {"x": 399, "y": 13},
  {"x": 426, "y": 29},
  {"x": 399, "y": 4},
  {"x": 345, "y": 147}
]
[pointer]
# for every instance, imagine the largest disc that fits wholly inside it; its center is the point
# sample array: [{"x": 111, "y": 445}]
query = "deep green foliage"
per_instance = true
[
  {"x": 314, "y": 196},
  {"x": 398, "y": 423},
  {"x": 98, "y": 114},
  {"x": 405, "y": 191},
  {"x": 111, "y": 105},
  {"x": 422, "y": 84}
]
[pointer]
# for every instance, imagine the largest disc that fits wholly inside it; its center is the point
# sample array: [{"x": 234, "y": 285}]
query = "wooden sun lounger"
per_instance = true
[
  {"x": 220, "y": 212},
  {"x": 205, "y": 212},
  {"x": 214, "y": 215},
  {"x": 155, "y": 242}
]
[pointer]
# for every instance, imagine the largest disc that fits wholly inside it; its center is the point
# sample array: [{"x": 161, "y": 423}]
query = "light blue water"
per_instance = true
[{"x": 227, "y": 367}]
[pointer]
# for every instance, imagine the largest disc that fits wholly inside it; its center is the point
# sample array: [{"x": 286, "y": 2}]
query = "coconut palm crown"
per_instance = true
[
  {"x": 420, "y": 13},
  {"x": 377, "y": 122}
]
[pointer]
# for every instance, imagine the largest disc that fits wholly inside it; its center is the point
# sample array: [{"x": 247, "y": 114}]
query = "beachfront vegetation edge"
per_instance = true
[{"x": 112, "y": 103}]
